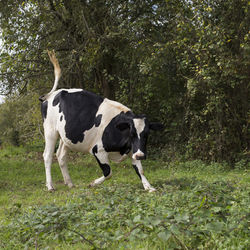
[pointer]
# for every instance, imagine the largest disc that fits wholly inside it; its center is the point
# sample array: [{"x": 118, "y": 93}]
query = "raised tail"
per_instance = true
[
  {"x": 57, "y": 73},
  {"x": 57, "y": 69}
]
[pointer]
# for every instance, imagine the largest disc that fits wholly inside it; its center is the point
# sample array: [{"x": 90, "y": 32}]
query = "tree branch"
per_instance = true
[
  {"x": 82, "y": 236},
  {"x": 128, "y": 234}
]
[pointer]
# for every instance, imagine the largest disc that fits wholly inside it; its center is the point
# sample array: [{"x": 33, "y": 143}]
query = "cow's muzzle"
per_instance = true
[{"x": 139, "y": 155}]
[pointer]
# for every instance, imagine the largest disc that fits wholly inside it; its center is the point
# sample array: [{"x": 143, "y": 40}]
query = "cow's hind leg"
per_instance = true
[
  {"x": 139, "y": 170},
  {"x": 61, "y": 155},
  {"x": 102, "y": 159},
  {"x": 50, "y": 142}
]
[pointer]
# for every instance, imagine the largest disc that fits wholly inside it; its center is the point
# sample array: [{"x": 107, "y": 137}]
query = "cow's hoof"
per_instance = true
[
  {"x": 151, "y": 190},
  {"x": 71, "y": 185},
  {"x": 51, "y": 190},
  {"x": 92, "y": 184}
]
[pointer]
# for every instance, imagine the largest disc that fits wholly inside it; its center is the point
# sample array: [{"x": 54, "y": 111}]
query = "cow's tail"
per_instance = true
[{"x": 57, "y": 73}]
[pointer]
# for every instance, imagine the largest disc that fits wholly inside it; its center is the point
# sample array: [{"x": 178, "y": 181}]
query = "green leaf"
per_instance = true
[
  {"x": 155, "y": 222},
  {"x": 216, "y": 209},
  {"x": 182, "y": 217},
  {"x": 174, "y": 229},
  {"x": 202, "y": 202},
  {"x": 165, "y": 235},
  {"x": 215, "y": 226},
  {"x": 137, "y": 219}
]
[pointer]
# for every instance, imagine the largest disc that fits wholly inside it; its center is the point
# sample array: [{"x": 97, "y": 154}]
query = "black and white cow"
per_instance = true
[{"x": 88, "y": 123}]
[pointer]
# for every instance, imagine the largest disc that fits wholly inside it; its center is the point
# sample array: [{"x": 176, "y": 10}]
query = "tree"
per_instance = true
[{"x": 182, "y": 62}]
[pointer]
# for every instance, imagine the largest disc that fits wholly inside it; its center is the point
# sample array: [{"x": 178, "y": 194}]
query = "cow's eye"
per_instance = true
[{"x": 123, "y": 126}]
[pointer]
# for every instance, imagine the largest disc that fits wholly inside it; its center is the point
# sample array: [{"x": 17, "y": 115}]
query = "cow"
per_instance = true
[{"x": 88, "y": 123}]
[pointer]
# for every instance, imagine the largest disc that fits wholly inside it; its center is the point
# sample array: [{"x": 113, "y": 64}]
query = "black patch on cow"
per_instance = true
[
  {"x": 41, "y": 98},
  {"x": 140, "y": 144},
  {"x": 95, "y": 150},
  {"x": 105, "y": 167},
  {"x": 79, "y": 110},
  {"x": 61, "y": 118},
  {"x": 98, "y": 120},
  {"x": 44, "y": 108},
  {"x": 136, "y": 170},
  {"x": 114, "y": 138},
  {"x": 120, "y": 135}
]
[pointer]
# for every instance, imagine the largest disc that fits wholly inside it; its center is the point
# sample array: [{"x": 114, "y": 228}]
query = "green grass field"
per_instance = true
[{"x": 196, "y": 206}]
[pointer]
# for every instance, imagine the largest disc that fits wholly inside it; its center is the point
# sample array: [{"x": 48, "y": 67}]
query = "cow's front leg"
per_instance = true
[
  {"x": 139, "y": 170},
  {"x": 102, "y": 159}
]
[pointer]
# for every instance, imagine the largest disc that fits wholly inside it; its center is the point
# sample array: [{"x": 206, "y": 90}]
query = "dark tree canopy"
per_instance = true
[{"x": 184, "y": 63}]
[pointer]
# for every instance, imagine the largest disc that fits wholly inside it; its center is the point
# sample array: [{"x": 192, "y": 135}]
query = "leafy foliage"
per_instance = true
[
  {"x": 196, "y": 206},
  {"x": 184, "y": 63},
  {"x": 20, "y": 120}
]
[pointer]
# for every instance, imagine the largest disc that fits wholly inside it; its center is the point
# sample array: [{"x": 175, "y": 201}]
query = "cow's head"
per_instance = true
[{"x": 137, "y": 127}]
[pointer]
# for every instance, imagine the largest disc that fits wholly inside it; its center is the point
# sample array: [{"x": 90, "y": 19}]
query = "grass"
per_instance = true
[{"x": 196, "y": 206}]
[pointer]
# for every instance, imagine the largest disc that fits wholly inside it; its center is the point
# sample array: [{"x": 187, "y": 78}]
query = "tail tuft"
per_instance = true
[{"x": 42, "y": 98}]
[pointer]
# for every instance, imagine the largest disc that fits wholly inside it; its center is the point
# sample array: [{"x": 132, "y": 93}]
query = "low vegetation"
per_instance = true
[{"x": 196, "y": 206}]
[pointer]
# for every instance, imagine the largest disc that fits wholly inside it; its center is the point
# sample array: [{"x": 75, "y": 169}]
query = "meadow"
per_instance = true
[{"x": 196, "y": 205}]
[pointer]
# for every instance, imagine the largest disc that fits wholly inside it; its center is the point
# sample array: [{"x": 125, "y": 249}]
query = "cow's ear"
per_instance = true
[
  {"x": 156, "y": 126},
  {"x": 123, "y": 125}
]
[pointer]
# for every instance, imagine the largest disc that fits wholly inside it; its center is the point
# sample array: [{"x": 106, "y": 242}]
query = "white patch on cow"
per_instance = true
[
  {"x": 139, "y": 125},
  {"x": 71, "y": 90},
  {"x": 109, "y": 109},
  {"x": 116, "y": 105},
  {"x": 97, "y": 181}
]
